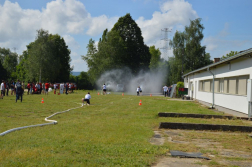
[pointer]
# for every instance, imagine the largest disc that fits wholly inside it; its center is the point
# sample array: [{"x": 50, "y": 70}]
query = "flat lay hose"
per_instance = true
[{"x": 52, "y": 122}]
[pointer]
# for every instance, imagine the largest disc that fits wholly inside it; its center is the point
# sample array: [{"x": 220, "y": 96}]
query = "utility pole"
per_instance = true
[{"x": 166, "y": 43}]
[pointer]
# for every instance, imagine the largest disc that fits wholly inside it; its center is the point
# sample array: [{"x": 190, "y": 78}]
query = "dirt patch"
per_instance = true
[
  {"x": 209, "y": 147},
  {"x": 179, "y": 162}
]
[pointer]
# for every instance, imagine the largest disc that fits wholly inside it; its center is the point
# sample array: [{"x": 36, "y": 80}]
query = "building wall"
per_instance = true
[{"x": 239, "y": 67}]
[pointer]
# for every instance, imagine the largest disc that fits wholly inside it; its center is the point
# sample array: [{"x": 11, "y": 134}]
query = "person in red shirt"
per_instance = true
[
  {"x": 40, "y": 90},
  {"x": 46, "y": 87},
  {"x": 33, "y": 87},
  {"x": 28, "y": 87}
]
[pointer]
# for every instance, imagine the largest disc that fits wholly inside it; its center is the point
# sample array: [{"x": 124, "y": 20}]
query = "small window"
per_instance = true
[
  {"x": 242, "y": 85},
  {"x": 217, "y": 85},
  {"x": 207, "y": 86},
  {"x": 225, "y": 85},
  {"x": 221, "y": 85}
]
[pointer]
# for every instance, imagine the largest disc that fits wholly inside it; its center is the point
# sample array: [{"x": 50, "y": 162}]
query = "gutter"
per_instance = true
[{"x": 212, "y": 107}]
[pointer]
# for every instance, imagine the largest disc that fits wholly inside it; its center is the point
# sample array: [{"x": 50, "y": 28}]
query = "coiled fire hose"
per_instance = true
[{"x": 52, "y": 122}]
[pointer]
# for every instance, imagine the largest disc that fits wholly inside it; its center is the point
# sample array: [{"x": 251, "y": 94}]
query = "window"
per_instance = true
[
  {"x": 242, "y": 85},
  {"x": 207, "y": 86},
  {"x": 200, "y": 85},
  {"x": 233, "y": 85},
  {"x": 217, "y": 85},
  {"x": 221, "y": 85},
  {"x": 225, "y": 85}
]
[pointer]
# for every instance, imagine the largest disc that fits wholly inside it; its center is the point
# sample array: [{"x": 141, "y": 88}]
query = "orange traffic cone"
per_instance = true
[
  {"x": 140, "y": 103},
  {"x": 42, "y": 100},
  {"x": 122, "y": 94},
  {"x": 150, "y": 95},
  {"x": 98, "y": 93}
]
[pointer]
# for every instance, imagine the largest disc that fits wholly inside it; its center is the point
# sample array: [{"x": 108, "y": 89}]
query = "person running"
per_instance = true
[
  {"x": 2, "y": 89},
  {"x": 19, "y": 91},
  {"x": 104, "y": 89},
  {"x": 165, "y": 88},
  {"x": 87, "y": 99}
]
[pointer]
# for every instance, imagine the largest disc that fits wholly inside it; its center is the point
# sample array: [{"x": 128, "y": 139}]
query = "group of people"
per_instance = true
[
  {"x": 37, "y": 88},
  {"x": 16, "y": 89},
  {"x": 32, "y": 88},
  {"x": 167, "y": 90}
]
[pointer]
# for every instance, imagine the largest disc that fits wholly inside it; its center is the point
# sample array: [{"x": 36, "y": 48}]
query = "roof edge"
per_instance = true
[{"x": 241, "y": 53}]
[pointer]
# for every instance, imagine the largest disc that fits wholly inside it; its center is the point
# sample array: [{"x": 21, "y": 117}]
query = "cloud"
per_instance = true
[
  {"x": 18, "y": 27},
  {"x": 71, "y": 42},
  {"x": 172, "y": 14},
  {"x": 221, "y": 43},
  {"x": 59, "y": 17},
  {"x": 99, "y": 24}
]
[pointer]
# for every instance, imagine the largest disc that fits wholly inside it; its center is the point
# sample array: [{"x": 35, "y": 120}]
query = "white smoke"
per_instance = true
[{"x": 150, "y": 82}]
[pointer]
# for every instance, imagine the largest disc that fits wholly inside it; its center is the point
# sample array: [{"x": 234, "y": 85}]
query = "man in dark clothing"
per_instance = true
[
  {"x": 66, "y": 88},
  {"x": 19, "y": 91}
]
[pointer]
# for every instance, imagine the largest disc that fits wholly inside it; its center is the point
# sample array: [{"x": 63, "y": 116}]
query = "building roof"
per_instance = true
[{"x": 240, "y": 54}]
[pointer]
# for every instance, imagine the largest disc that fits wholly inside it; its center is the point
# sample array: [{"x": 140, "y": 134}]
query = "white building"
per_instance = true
[{"x": 223, "y": 84}]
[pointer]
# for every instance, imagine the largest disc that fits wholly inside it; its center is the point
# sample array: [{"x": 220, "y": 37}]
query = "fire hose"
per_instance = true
[{"x": 52, "y": 122}]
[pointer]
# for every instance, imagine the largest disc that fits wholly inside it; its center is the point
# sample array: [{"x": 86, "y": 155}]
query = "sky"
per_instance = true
[{"x": 227, "y": 23}]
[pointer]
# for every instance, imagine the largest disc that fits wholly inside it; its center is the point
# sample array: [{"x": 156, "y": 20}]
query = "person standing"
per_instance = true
[
  {"x": 19, "y": 91},
  {"x": 28, "y": 87},
  {"x": 104, "y": 89},
  {"x": 87, "y": 99},
  {"x": 55, "y": 87},
  {"x": 12, "y": 87},
  {"x": 46, "y": 87},
  {"x": 66, "y": 88},
  {"x": 7, "y": 88},
  {"x": 2, "y": 89},
  {"x": 43, "y": 88},
  {"x": 31, "y": 86},
  {"x": 138, "y": 90},
  {"x": 70, "y": 88},
  {"x": 165, "y": 88}
]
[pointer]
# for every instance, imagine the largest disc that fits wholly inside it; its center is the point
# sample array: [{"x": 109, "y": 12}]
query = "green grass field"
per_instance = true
[{"x": 113, "y": 131}]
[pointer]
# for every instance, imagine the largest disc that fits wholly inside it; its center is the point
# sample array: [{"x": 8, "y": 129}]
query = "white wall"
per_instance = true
[{"x": 242, "y": 66}]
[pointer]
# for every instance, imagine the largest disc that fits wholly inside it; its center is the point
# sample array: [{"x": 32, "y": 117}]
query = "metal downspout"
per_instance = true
[{"x": 212, "y": 87}]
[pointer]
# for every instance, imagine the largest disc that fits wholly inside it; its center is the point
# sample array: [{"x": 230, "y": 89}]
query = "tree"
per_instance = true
[
  {"x": 48, "y": 57},
  {"x": 3, "y": 73},
  {"x": 135, "y": 53},
  {"x": 21, "y": 70},
  {"x": 9, "y": 62},
  {"x": 155, "y": 58},
  {"x": 121, "y": 47},
  {"x": 92, "y": 60},
  {"x": 196, "y": 56},
  {"x": 188, "y": 52},
  {"x": 232, "y": 53}
]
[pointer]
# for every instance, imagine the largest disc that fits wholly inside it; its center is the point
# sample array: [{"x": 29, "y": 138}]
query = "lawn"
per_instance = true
[{"x": 113, "y": 131}]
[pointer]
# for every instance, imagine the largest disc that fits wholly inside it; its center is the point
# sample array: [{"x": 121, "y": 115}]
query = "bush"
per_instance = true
[{"x": 179, "y": 85}]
